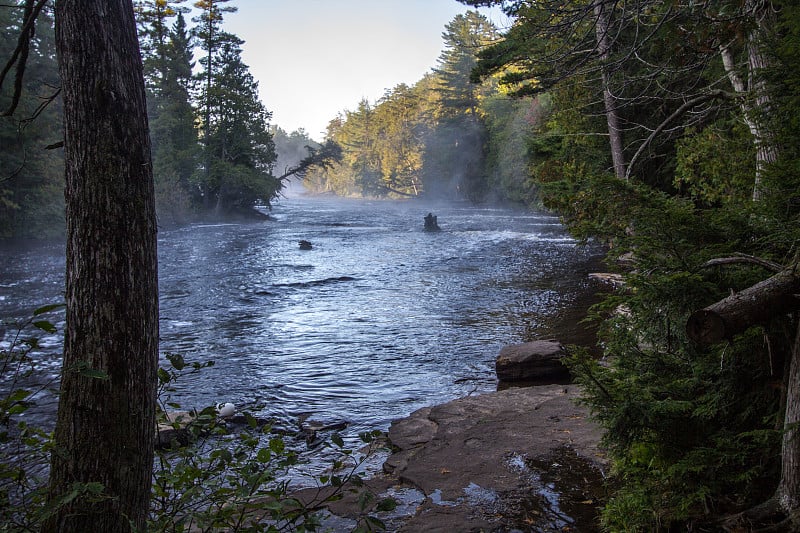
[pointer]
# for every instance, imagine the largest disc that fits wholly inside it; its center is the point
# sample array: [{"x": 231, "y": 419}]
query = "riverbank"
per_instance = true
[{"x": 526, "y": 459}]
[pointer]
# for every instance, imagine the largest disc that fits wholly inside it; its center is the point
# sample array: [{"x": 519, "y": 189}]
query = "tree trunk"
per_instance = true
[
  {"x": 770, "y": 298},
  {"x": 755, "y": 103},
  {"x": 788, "y": 493},
  {"x": 773, "y": 297},
  {"x": 612, "y": 118},
  {"x": 106, "y": 417}
]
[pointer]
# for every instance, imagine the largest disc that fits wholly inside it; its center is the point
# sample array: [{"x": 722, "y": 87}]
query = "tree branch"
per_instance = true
[
  {"x": 20, "y": 54},
  {"x": 711, "y": 95},
  {"x": 744, "y": 258},
  {"x": 758, "y": 304}
]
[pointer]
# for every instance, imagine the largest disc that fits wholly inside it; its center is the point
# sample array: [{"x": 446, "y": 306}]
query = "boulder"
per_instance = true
[
  {"x": 534, "y": 361},
  {"x": 173, "y": 431}
]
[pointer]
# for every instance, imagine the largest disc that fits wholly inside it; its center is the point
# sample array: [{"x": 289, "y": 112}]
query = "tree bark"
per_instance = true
[
  {"x": 106, "y": 417},
  {"x": 612, "y": 117},
  {"x": 770, "y": 298},
  {"x": 755, "y": 102},
  {"x": 788, "y": 493},
  {"x": 773, "y": 297}
]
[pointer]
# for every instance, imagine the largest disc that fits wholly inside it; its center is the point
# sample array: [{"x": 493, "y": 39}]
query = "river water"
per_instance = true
[{"x": 379, "y": 319}]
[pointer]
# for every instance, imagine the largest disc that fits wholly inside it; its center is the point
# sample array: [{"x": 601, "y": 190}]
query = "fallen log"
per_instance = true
[{"x": 773, "y": 297}]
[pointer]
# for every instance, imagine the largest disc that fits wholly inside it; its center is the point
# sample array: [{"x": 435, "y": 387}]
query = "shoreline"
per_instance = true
[{"x": 526, "y": 459}]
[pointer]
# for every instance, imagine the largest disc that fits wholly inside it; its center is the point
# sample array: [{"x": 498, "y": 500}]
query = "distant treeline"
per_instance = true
[{"x": 215, "y": 153}]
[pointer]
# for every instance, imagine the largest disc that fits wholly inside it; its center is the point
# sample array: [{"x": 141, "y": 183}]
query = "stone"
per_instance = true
[
  {"x": 531, "y": 361},
  {"x": 173, "y": 431},
  {"x": 491, "y": 462}
]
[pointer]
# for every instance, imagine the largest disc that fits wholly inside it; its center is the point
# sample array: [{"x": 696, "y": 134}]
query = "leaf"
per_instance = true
[
  {"x": 376, "y": 523},
  {"x": 277, "y": 445},
  {"x": 176, "y": 360},
  {"x": 45, "y": 325},
  {"x": 47, "y": 308},
  {"x": 387, "y": 504},
  {"x": 19, "y": 395},
  {"x": 364, "y": 499},
  {"x": 85, "y": 370},
  {"x": 337, "y": 440},
  {"x": 264, "y": 455}
]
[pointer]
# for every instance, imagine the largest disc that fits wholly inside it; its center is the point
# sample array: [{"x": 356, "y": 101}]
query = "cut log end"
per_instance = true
[{"x": 706, "y": 327}]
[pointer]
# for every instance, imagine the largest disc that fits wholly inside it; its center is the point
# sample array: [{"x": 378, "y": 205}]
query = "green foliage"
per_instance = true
[
  {"x": 692, "y": 431},
  {"x": 24, "y": 448},
  {"x": 510, "y": 130},
  {"x": 31, "y": 175},
  {"x": 213, "y": 480},
  {"x": 238, "y": 149},
  {"x": 427, "y": 139},
  {"x": 240, "y": 481},
  {"x": 716, "y": 164}
]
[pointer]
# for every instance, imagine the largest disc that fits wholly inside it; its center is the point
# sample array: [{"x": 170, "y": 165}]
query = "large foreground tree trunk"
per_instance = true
[{"x": 106, "y": 418}]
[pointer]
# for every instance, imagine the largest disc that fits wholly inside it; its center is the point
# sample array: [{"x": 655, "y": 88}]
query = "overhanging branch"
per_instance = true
[{"x": 711, "y": 95}]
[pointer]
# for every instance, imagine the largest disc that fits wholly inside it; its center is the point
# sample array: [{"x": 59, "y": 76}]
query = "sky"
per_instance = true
[{"x": 316, "y": 58}]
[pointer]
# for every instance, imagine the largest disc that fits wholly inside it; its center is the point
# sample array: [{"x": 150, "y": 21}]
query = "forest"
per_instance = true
[{"x": 667, "y": 131}]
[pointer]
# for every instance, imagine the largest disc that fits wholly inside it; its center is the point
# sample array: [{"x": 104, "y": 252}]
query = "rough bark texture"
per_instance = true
[
  {"x": 770, "y": 298},
  {"x": 105, "y": 426},
  {"x": 612, "y": 118},
  {"x": 755, "y": 102},
  {"x": 788, "y": 493}
]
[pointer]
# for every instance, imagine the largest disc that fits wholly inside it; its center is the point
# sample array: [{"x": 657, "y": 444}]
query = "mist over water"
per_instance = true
[{"x": 378, "y": 319}]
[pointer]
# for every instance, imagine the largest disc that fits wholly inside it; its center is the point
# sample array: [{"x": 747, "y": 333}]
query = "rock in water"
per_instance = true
[
  {"x": 537, "y": 360},
  {"x": 431, "y": 222}
]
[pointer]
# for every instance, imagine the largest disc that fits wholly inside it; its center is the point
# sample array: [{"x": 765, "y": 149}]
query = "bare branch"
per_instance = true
[
  {"x": 711, "y": 95},
  {"x": 744, "y": 258},
  {"x": 19, "y": 56}
]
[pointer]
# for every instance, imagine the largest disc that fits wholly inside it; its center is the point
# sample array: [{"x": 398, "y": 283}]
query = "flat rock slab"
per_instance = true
[
  {"x": 536, "y": 360},
  {"x": 520, "y": 459}
]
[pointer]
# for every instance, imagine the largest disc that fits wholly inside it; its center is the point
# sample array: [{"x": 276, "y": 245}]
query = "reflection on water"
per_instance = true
[{"x": 378, "y": 319}]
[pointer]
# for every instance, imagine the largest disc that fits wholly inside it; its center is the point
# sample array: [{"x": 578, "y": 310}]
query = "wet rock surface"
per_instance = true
[
  {"x": 525, "y": 459},
  {"x": 537, "y": 360}
]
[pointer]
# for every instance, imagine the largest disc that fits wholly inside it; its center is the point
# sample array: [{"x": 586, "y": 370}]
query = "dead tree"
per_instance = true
[{"x": 775, "y": 296}]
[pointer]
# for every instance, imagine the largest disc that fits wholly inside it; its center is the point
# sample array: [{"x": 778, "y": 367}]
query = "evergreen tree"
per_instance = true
[
  {"x": 152, "y": 19},
  {"x": 399, "y": 143},
  {"x": 239, "y": 150},
  {"x": 210, "y": 37},
  {"x": 172, "y": 127},
  {"x": 454, "y": 149}
]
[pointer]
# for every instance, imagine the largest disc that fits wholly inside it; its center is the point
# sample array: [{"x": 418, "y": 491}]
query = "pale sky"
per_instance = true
[{"x": 316, "y": 58}]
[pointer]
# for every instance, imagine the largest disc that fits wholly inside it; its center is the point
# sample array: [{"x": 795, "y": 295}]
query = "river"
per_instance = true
[{"x": 378, "y": 319}]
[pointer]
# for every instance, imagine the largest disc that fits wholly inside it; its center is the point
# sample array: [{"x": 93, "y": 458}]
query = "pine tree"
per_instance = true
[
  {"x": 210, "y": 37},
  {"x": 239, "y": 150},
  {"x": 152, "y": 19},
  {"x": 172, "y": 118},
  {"x": 454, "y": 150}
]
